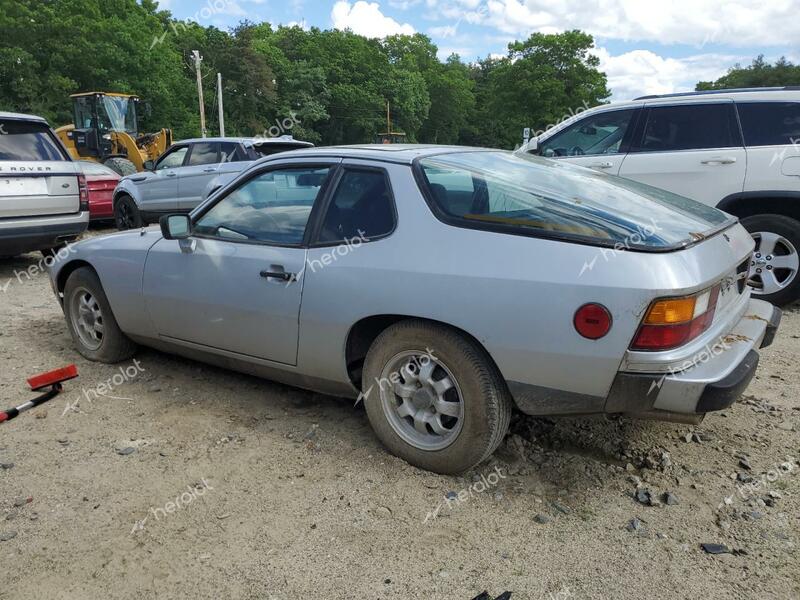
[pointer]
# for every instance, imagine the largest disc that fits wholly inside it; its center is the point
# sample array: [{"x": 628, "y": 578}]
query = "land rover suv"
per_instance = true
[
  {"x": 737, "y": 150},
  {"x": 44, "y": 201}
]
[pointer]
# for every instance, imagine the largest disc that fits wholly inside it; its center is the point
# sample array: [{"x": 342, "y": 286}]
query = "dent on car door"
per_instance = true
[
  {"x": 233, "y": 286},
  {"x": 598, "y": 141},
  {"x": 159, "y": 189},
  {"x": 691, "y": 149},
  {"x": 200, "y": 168}
]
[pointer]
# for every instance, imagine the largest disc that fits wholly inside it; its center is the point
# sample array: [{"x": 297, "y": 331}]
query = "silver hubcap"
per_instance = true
[
  {"x": 421, "y": 400},
  {"x": 775, "y": 263},
  {"x": 88, "y": 319}
]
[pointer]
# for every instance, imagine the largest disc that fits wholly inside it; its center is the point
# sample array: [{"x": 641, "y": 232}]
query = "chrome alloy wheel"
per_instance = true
[
  {"x": 775, "y": 263},
  {"x": 87, "y": 316},
  {"x": 421, "y": 400}
]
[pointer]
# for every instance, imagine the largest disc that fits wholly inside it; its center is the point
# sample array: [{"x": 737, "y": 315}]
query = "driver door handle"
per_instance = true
[
  {"x": 719, "y": 160},
  {"x": 171, "y": 174},
  {"x": 210, "y": 170},
  {"x": 602, "y": 165},
  {"x": 282, "y": 275}
]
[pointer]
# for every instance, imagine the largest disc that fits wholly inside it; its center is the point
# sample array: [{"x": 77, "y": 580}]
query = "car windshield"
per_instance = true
[
  {"x": 528, "y": 195},
  {"x": 117, "y": 113},
  {"x": 20, "y": 140}
]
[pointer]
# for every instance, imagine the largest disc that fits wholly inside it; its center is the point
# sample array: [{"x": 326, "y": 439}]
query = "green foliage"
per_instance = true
[
  {"x": 759, "y": 74},
  {"x": 335, "y": 84}
]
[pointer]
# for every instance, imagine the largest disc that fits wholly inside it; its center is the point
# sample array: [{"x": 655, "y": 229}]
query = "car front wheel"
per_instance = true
[
  {"x": 434, "y": 397},
  {"x": 776, "y": 262},
  {"x": 91, "y": 322}
]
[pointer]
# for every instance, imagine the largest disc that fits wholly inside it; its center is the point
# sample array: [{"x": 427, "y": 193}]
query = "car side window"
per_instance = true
[
  {"x": 203, "y": 153},
  {"x": 231, "y": 152},
  {"x": 271, "y": 208},
  {"x": 173, "y": 159},
  {"x": 597, "y": 134},
  {"x": 689, "y": 127},
  {"x": 361, "y": 207},
  {"x": 770, "y": 123}
]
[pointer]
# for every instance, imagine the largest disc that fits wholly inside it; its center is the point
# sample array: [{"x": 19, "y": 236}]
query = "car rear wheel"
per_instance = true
[
  {"x": 126, "y": 214},
  {"x": 434, "y": 397},
  {"x": 776, "y": 262},
  {"x": 91, "y": 322}
]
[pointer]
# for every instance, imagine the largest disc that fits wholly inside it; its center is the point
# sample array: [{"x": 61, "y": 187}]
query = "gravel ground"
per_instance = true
[{"x": 185, "y": 480}]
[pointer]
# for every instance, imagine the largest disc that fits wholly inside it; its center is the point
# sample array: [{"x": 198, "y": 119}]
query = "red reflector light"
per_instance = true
[
  {"x": 592, "y": 321},
  {"x": 47, "y": 379}
]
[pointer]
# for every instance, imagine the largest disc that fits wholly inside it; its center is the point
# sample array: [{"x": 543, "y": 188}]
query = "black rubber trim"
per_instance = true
[
  {"x": 721, "y": 395},
  {"x": 772, "y": 327}
]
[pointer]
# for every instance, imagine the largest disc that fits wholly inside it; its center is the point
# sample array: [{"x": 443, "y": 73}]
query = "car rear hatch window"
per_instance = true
[
  {"x": 528, "y": 195},
  {"x": 37, "y": 178}
]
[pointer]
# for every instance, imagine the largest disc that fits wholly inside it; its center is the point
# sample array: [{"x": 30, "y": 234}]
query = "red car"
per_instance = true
[{"x": 101, "y": 182}]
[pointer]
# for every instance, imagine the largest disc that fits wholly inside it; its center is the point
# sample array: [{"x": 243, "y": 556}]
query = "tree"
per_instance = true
[{"x": 759, "y": 74}]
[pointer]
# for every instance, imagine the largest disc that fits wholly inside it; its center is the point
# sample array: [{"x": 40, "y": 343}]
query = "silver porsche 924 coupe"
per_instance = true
[{"x": 442, "y": 286}]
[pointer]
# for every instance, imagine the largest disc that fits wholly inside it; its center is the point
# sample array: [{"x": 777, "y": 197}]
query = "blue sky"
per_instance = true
[{"x": 644, "y": 47}]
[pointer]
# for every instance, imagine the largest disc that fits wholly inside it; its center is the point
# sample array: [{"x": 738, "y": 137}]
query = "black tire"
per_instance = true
[
  {"x": 114, "y": 346},
  {"x": 487, "y": 404},
  {"x": 788, "y": 229},
  {"x": 126, "y": 214},
  {"x": 122, "y": 166}
]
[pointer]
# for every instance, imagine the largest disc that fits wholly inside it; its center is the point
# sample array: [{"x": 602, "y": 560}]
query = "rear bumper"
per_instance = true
[
  {"x": 713, "y": 379},
  {"x": 26, "y": 235}
]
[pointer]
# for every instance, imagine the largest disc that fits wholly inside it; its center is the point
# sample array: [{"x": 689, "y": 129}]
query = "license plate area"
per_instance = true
[{"x": 23, "y": 186}]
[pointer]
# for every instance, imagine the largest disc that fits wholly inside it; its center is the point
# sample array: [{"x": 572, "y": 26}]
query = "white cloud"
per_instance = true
[
  {"x": 642, "y": 72},
  {"x": 697, "y": 22},
  {"x": 366, "y": 18}
]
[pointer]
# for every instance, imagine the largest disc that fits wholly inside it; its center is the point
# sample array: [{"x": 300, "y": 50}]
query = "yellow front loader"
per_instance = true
[{"x": 106, "y": 130}]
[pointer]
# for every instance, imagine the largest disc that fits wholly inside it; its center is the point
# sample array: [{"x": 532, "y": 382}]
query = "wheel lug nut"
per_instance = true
[
  {"x": 769, "y": 256},
  {"x": 758, "y": 254},
  {"x": 758, "y": 270},
  {"x": 769, "y": 267}
]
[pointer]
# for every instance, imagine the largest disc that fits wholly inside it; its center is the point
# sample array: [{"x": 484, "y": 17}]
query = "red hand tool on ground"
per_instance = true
[{"x": 53, "y": 380}]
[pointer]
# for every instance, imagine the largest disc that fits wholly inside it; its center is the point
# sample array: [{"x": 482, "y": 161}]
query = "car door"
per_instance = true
[
  {"x": 200, "y": 168},
  {"x": 693, "y": 149},
  {"x": 234, "y": 286},
  {"x": 158, "y": 190},
  {"x": 598, "y": 141}
]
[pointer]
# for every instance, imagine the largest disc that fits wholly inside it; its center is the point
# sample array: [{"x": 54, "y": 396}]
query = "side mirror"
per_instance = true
[
  {"x": 149, "y": 165},
  {"x": 175, "y": 227}
]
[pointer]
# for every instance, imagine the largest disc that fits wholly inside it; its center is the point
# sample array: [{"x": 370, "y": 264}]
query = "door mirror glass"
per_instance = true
[
  {"x": 149, "y": 165},
  {"x": 176, "y": 227}
]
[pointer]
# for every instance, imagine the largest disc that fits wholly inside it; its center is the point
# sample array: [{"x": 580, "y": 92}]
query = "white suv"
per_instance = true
[
  {"x": 44, "y": 201},
  {"x": 738, "y": 150}
]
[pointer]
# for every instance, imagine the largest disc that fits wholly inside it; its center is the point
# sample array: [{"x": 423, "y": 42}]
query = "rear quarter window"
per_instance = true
[
  {"x": 770, "y": 123},
  {"x": 20, "y": 140}
]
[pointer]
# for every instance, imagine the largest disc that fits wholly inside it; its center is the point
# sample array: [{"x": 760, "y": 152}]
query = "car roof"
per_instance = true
[
  {"x": 248, "y": 140},
  {"x": 397, "y": 153},
  {"x": 21, "y": 117}
]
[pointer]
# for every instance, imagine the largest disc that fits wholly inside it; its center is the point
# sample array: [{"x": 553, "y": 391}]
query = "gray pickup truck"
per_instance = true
[
  {"x": 44, "y": 201},
  {"x": 187, "y": 173}
]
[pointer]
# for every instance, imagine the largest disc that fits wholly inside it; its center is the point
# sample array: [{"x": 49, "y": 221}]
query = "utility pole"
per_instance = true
[
  {"x": 221, "y": 112},
  {"x": 197, "y": 60},
  {"x": 388, "y": 119}
]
